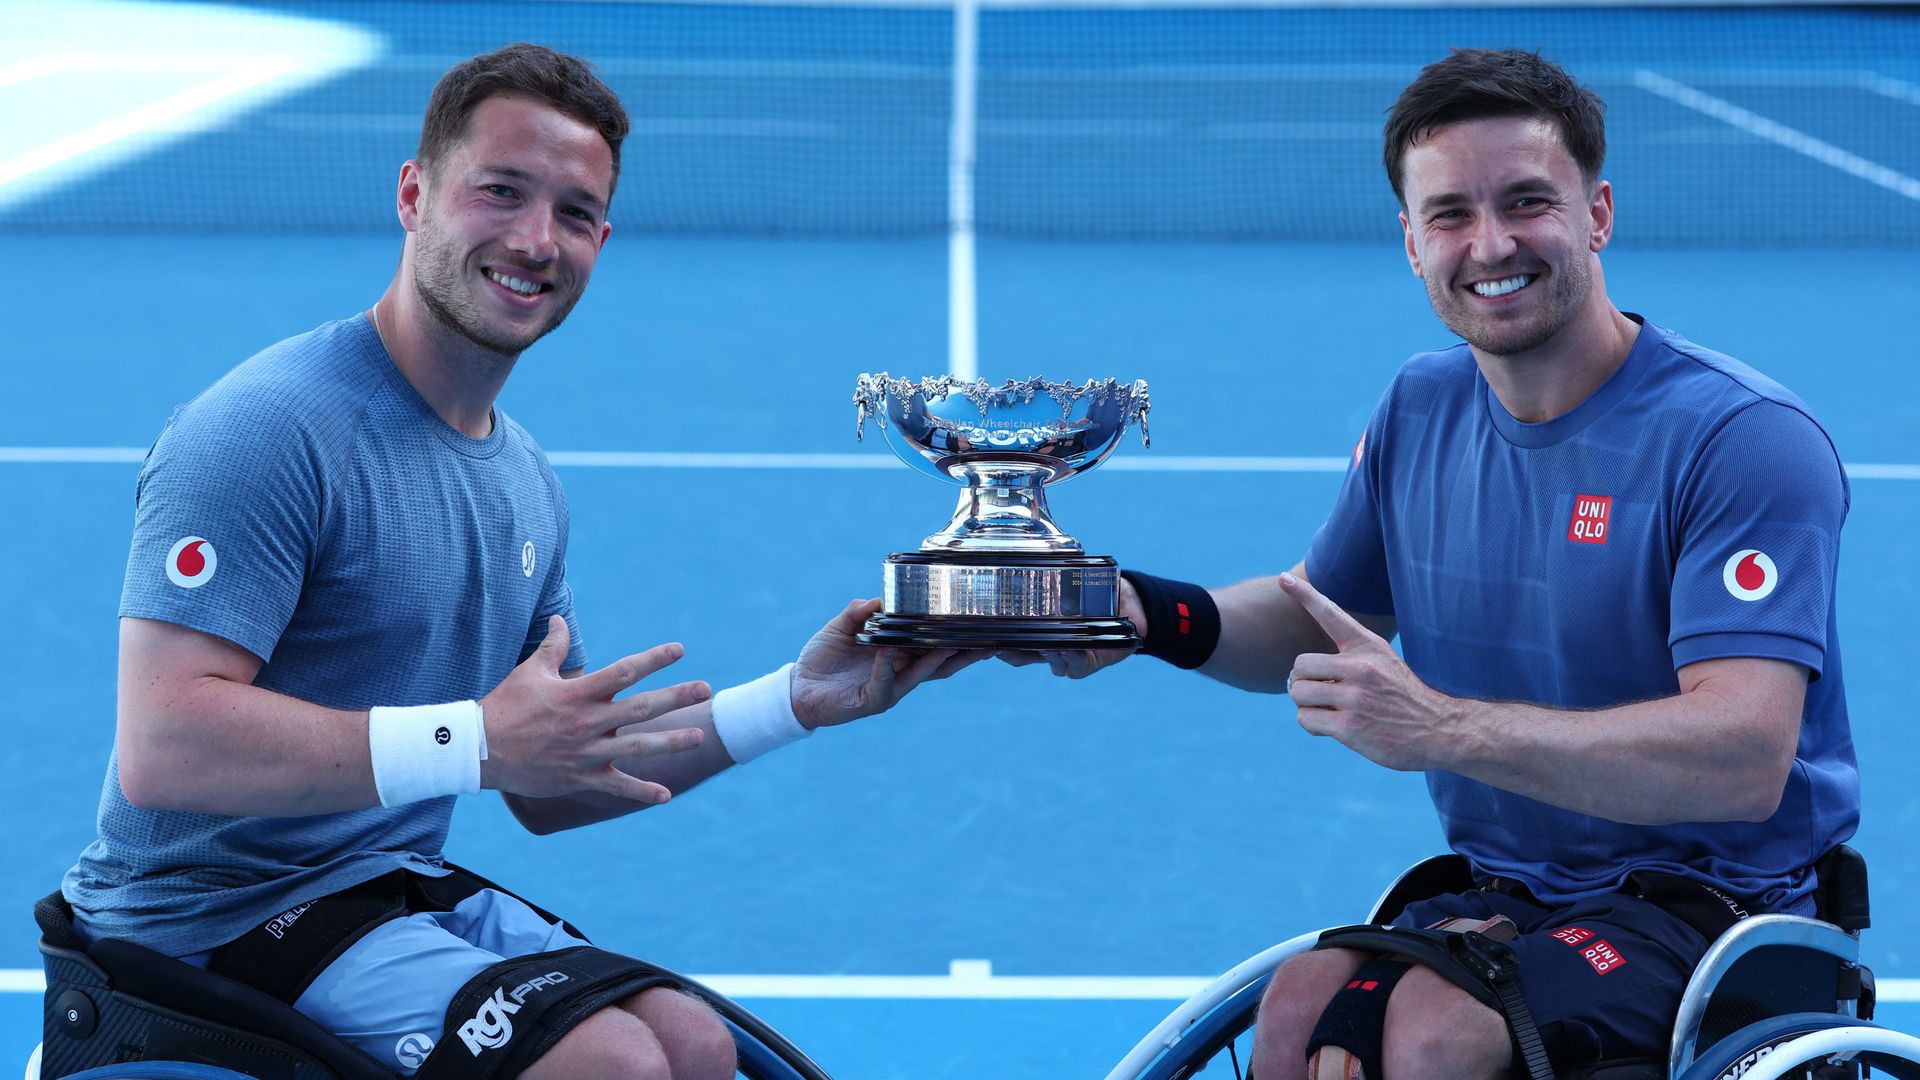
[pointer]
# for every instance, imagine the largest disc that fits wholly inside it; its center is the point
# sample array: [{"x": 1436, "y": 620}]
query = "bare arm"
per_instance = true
[
  {"x": 1720, "y": 750},
  {"x": 193, "y": 732},
  {"x": 835, "y": 680},
  {"x": 1263, "y": 630}
]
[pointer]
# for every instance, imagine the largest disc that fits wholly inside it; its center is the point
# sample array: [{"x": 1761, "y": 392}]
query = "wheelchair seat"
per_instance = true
[
  {"x": 114, "y": 1009},
  {"x": 1773, "y": 992}
]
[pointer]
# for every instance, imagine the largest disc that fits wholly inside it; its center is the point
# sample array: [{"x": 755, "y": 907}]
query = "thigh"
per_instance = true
[
  {"x": 1602, "y": 977},
  {"x": 388, "y": 993}
]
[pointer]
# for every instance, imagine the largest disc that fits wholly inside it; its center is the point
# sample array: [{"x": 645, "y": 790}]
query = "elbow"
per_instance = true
[
  {"x": 144, "y": 785},
  {"x": 1762, "y": 798}
]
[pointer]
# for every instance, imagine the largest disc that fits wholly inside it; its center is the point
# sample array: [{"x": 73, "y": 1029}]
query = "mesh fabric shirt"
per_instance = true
[
  {"x": 1689, "y": 510},
  {"x": 311, "y": 508}
]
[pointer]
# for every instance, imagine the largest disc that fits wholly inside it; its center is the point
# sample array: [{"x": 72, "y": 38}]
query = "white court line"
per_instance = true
[
  {"x": 966, "y": 980},
  {"x": 963, "y": 356},
  {"x": 142, "y": 119},
  {"x": 1773, "y": 131},
  {"x": 1887, "y": 86},
  {"x": 644, "y": 459}
]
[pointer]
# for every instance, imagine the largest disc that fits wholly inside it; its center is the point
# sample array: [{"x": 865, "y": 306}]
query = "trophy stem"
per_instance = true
[{"x": 1003, "y": 508}]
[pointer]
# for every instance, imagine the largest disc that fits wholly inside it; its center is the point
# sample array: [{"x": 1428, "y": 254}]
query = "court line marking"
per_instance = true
[
  {"x": 1887, "y": 86},
  {"x": 1780, "y": 134},
  {"x": 963, "y": 358},
  {"x": 966, "y": 980},
  {"x": 145, "y": 118},
  {"x": 646, "y": 459}
]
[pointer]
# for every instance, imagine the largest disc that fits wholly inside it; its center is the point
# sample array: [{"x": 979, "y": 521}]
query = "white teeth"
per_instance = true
[
  {"x": 1503, "y": 286},
  {"x": 524, "y": 288}
]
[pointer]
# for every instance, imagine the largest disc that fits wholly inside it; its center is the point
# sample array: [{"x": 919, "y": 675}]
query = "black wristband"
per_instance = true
[{"x": 1183, "y": 622}]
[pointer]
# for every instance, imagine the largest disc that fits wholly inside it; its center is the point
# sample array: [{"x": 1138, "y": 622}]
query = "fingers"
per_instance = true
[
  {"x": 638, "y": 744},
  {"x": 553, "y": 648},
  {"x": 602, "y": 685},
  {"x": 645, "y": 706},
  {"x": 848, "y": 622},
  {"x": 1343, "y": 628},
  {"x": 958, "y": 662},
  {"x": 632, "y": 788}
]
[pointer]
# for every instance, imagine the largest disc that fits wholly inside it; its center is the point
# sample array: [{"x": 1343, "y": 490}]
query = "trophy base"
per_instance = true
[
  {"x": 1000, "y": 600},
  {"x": 997, "y": 632}
]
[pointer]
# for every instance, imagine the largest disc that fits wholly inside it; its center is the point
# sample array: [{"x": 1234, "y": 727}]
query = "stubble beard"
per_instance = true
[
  {"x": 441, "y": 280},
  {"x": 1565, "y": 290}
]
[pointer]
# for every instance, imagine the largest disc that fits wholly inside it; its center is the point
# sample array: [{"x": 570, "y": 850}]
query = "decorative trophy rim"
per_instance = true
[{"x": 871, "y": 391}]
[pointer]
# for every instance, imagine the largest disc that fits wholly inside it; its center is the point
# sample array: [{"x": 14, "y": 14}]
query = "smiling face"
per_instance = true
[
  {"x": 1504, "y": 231},
  {"x": 506, "y": 227}
]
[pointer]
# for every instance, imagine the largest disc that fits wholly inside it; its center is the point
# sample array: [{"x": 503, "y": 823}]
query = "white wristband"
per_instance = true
[
  {"x": 426, "y": 751},
  {"x": 756, "y": 717}
]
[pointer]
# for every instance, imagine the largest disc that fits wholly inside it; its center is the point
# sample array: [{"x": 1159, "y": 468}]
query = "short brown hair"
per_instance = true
[
  {"x": 1481, "y": 84},
  {"x": 565, "y": 82}
]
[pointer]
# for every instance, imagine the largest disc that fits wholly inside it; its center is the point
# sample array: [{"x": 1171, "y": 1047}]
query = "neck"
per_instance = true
[
  {"x": 458, "y": 379},
  {"x": 1552, "y": 379}
]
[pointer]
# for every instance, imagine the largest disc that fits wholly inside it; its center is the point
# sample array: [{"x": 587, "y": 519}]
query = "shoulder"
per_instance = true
[
  {"x": 1714, "y": 383},
  {"x": 524, "y": 451},
  {"x": 308, "y": 391},
  {"x": 1430, "y": 381}
]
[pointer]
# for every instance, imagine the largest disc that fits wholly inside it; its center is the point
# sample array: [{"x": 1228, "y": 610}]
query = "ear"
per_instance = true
[
  {"x": 1413, "y": 253},
  {"x": 407, "y": 198},
  {"x": 1600, "y": 205},
  {"x": 606, "y": 230}
]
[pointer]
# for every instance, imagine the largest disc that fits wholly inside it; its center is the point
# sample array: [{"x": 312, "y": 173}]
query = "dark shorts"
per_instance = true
[{"x": 1602, "y": 977}]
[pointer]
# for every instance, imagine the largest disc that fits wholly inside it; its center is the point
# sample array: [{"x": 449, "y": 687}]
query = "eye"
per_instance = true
[
  {"x": 578, "y": 214},
  {"x": 501, "y": 190}
]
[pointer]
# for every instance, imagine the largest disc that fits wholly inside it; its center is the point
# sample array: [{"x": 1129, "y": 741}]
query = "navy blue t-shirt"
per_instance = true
[{"x": 1689, "y": 510}]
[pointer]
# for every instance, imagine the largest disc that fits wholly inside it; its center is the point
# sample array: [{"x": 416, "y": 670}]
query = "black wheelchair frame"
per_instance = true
[
  {"x": 116, "y": 1009},
  {"x": 1777, "y": 995}
]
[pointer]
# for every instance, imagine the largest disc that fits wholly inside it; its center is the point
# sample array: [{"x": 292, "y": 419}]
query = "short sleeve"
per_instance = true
[
  {"x": 1348, "y": 560},
  {"x": 1759, "y": 537},
  {"x": 226, "y": 518}
]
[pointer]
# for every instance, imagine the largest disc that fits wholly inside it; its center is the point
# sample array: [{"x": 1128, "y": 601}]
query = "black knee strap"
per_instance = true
[
  {"x": 1355, "y": 1019},
  {"x": 504, "y": 1018}
]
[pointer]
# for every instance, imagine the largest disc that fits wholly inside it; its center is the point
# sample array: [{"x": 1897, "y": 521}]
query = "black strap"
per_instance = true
[
  {"x": 1695, "y": 903},
  {"x": 282, "y": 956},
  {"x": 1355, "y": 1020}
]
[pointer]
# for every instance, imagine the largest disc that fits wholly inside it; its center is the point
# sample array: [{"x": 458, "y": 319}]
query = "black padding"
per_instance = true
[
  {"x": 1355, "y": 1019},
  {"x": 1434, "y": 876},
  {"x": 1842, "y": 899},
  {"x": 55, "y": 917},
  {"x": 504, "y": 1018},
  {"x": 1435, "y": 949}
]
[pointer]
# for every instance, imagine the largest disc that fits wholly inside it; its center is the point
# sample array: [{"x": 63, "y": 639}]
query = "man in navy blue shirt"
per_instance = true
[{"x": 1609, "y": 555}]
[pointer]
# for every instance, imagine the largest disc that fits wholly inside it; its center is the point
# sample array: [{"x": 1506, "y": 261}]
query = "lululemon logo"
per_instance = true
[
  {"x": 526, "y": 558},
  {"x": 191, "y": 562},
  {"x": 442, "y": 735},
  {"x": 1750, "y": 575},
  {"x": 412, "y": 1050}
]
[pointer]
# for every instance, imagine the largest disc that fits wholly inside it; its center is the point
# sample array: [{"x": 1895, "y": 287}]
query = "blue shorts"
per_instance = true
[
  {"x": 388, "y": 993},
  {"x": 1602, "y": 977}
]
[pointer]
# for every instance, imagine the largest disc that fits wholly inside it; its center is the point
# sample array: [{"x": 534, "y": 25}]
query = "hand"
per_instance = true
[
  {"x": 837, "y": 679},
  {"x": 1365, "y": 695},
  {"x": 1080, "y": 663},
  {"x": 548, "y": 735}
]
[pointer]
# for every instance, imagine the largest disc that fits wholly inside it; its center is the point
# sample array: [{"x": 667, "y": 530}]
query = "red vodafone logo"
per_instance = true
[
  {"x": 1750, "y": 575},
  {"x": 191, "y": 562}
]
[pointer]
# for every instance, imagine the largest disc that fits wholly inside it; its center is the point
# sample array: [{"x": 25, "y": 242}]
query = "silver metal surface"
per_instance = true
[
  {"x": 959, "y": 589},
  {"x": 1003, "y": 444}
]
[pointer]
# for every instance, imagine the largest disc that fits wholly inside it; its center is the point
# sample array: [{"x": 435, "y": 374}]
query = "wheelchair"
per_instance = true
[
  {"x": 1775, "y": 996},
  {"x": 117, "y": 1011}
]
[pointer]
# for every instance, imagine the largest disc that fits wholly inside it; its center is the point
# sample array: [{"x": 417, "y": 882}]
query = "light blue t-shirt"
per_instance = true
[
  {"x": 312, "y": 509},
  {"x": 1689, "y": 510}
]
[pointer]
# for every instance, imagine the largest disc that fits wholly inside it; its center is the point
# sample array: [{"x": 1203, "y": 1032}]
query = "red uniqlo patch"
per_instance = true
[
  {"x": 1573, "y": 935},
  {"x": 1602, "y": 957},
  {"x": 1186, "y": 623},
  {"x": 1590, "y": 514}
]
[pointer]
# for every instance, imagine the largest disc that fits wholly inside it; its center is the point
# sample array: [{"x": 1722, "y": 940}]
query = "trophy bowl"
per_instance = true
[{"x": 1001, "y": 575}]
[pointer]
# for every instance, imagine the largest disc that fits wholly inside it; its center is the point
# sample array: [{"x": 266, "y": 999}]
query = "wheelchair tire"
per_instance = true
[{"x": 1791, "y": 1046}]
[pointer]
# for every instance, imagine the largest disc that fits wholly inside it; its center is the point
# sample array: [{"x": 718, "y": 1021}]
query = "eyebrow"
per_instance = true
[
  {"x": 578, "y": 194},
  {"x": 1519, "y": 187}
]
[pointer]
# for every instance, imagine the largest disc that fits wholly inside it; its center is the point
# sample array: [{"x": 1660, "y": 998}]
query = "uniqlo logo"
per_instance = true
[
  {"x": 1590, "y": 514},
  {"x": 1573, "y": 935},
  {"x": 1602, "y": 957}
]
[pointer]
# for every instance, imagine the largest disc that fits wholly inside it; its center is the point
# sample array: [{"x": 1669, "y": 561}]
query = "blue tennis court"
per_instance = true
[{"x": 1009, "y": 876}]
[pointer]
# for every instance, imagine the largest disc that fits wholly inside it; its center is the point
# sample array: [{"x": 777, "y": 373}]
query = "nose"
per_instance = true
[
  {"x": 1493, "y": 241},
  {"x": 532, "y": 233}
]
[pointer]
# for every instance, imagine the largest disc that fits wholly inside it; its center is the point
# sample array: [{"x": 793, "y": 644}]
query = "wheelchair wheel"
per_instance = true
[
  {"x": 1799, "y": 1046},
  {"x": 1210, "y": 1035}
]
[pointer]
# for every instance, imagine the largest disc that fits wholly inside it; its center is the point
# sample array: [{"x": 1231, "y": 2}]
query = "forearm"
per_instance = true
[
  {"x": 1698, "y": 756},
  {"x": 1262, "y": 631},
  {"x": 678, "y": 772},
  {"x": 212, "y": 745}
]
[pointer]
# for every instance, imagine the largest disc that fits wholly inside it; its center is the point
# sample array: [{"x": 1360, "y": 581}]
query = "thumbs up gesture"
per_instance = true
[{"x": 1364, "y": 695}]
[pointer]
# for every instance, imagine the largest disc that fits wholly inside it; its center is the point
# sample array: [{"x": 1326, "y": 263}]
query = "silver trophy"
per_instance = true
[{"x": 1001, "y": 575}]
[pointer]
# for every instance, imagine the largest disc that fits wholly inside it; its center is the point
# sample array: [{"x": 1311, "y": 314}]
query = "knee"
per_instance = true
[
  {"x": 1291, "y": 1006},
  {"x": 608, "y": 1044},
  {"x": 1434, "y": 1028},
  {"x": 698, "y": 1044}
]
